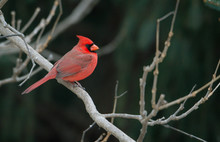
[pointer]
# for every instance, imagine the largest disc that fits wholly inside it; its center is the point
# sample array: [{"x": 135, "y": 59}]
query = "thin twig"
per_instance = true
[
  {"x": 115, "y": 101},
  {"x": 185, "y": 133},
  {"x": 213, "y": 77},
  {"x": 22, "y": 37},
  {"x": 13, "y": 14},
  {"x": 181, "y": 107},
  {"x": 18, "y": 79},
  {"x": 78, "y": 13},
  {"x": 38, "y": 38},
  {"x": 100, "y": 137},
  {"x": 174, "y": 15},
  {"x": 36, "y": 12},
  {"x": 52, "y": 12},
  {"x": 146, "y": 70},
  {"x": 33, "y": 64},
  {"x": 17, "y": 70},
  {"x": 2, "y": 3},
  {"x": 114, "y": 109},
  {"x": 18, "y": 24},
  {"x": 156, "y": 71},
  {"x": 170, "y": 35},
  {"x": 183, "y": 115},
  {"x": 85, "y": 131},
  {"x": 43, "y": 23},
  {"x": 193, "y": 94}
]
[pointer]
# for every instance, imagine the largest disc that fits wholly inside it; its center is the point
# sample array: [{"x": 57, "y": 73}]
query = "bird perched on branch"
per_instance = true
[{"x": 75, "y": 65}]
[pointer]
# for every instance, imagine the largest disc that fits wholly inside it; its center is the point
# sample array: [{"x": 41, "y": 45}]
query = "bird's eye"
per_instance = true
[{"x": 88, "y": 46}]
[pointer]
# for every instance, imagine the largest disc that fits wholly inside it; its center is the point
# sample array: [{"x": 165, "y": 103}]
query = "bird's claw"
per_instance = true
[{"x": 77, "y": 84}]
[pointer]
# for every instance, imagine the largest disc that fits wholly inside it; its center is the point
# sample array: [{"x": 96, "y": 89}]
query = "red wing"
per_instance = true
[{"x": 73, "y": 64}]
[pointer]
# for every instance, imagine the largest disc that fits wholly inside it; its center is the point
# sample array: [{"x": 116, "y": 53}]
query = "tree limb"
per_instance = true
[{"x": 82, "y": 94}]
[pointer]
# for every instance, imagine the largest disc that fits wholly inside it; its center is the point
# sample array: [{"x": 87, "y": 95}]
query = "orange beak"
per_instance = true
[{"x": 94, "y": 47}]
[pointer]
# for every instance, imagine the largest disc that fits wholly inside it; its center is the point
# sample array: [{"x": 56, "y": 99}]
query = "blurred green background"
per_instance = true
[{"x": 53, "y": 113}]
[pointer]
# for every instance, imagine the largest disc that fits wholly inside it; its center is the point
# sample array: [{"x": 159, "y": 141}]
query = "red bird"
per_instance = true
[{"x": 75, "y": 65}]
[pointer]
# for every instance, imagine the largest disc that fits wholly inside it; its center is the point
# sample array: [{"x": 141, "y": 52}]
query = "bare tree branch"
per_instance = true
[
  {"x": 114, "y": 109},
  {"x": 157, "y": 59},
  {"x": 83, "y": 8},
  {"x": 18, "y": 79},
  {"x": 193, "y": 94},
  {"x": 40, "y": 28},
  {"x": 82, "y": 94},
  {"x": 17, "y": 39}
]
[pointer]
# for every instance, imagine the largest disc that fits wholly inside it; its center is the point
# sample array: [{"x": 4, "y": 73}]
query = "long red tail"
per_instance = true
[{"x": 37, "y": 84}]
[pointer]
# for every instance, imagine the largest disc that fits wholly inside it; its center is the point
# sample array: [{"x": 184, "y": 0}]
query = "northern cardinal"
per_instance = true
[{"x": 75, "y": 65}]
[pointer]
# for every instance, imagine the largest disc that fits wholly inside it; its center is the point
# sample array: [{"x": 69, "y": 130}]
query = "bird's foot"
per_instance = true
[{"x": 77, "y": 84}]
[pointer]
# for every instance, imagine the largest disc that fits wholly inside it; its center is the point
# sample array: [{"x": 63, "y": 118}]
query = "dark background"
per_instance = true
[{"x": 53, "y": 113}]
